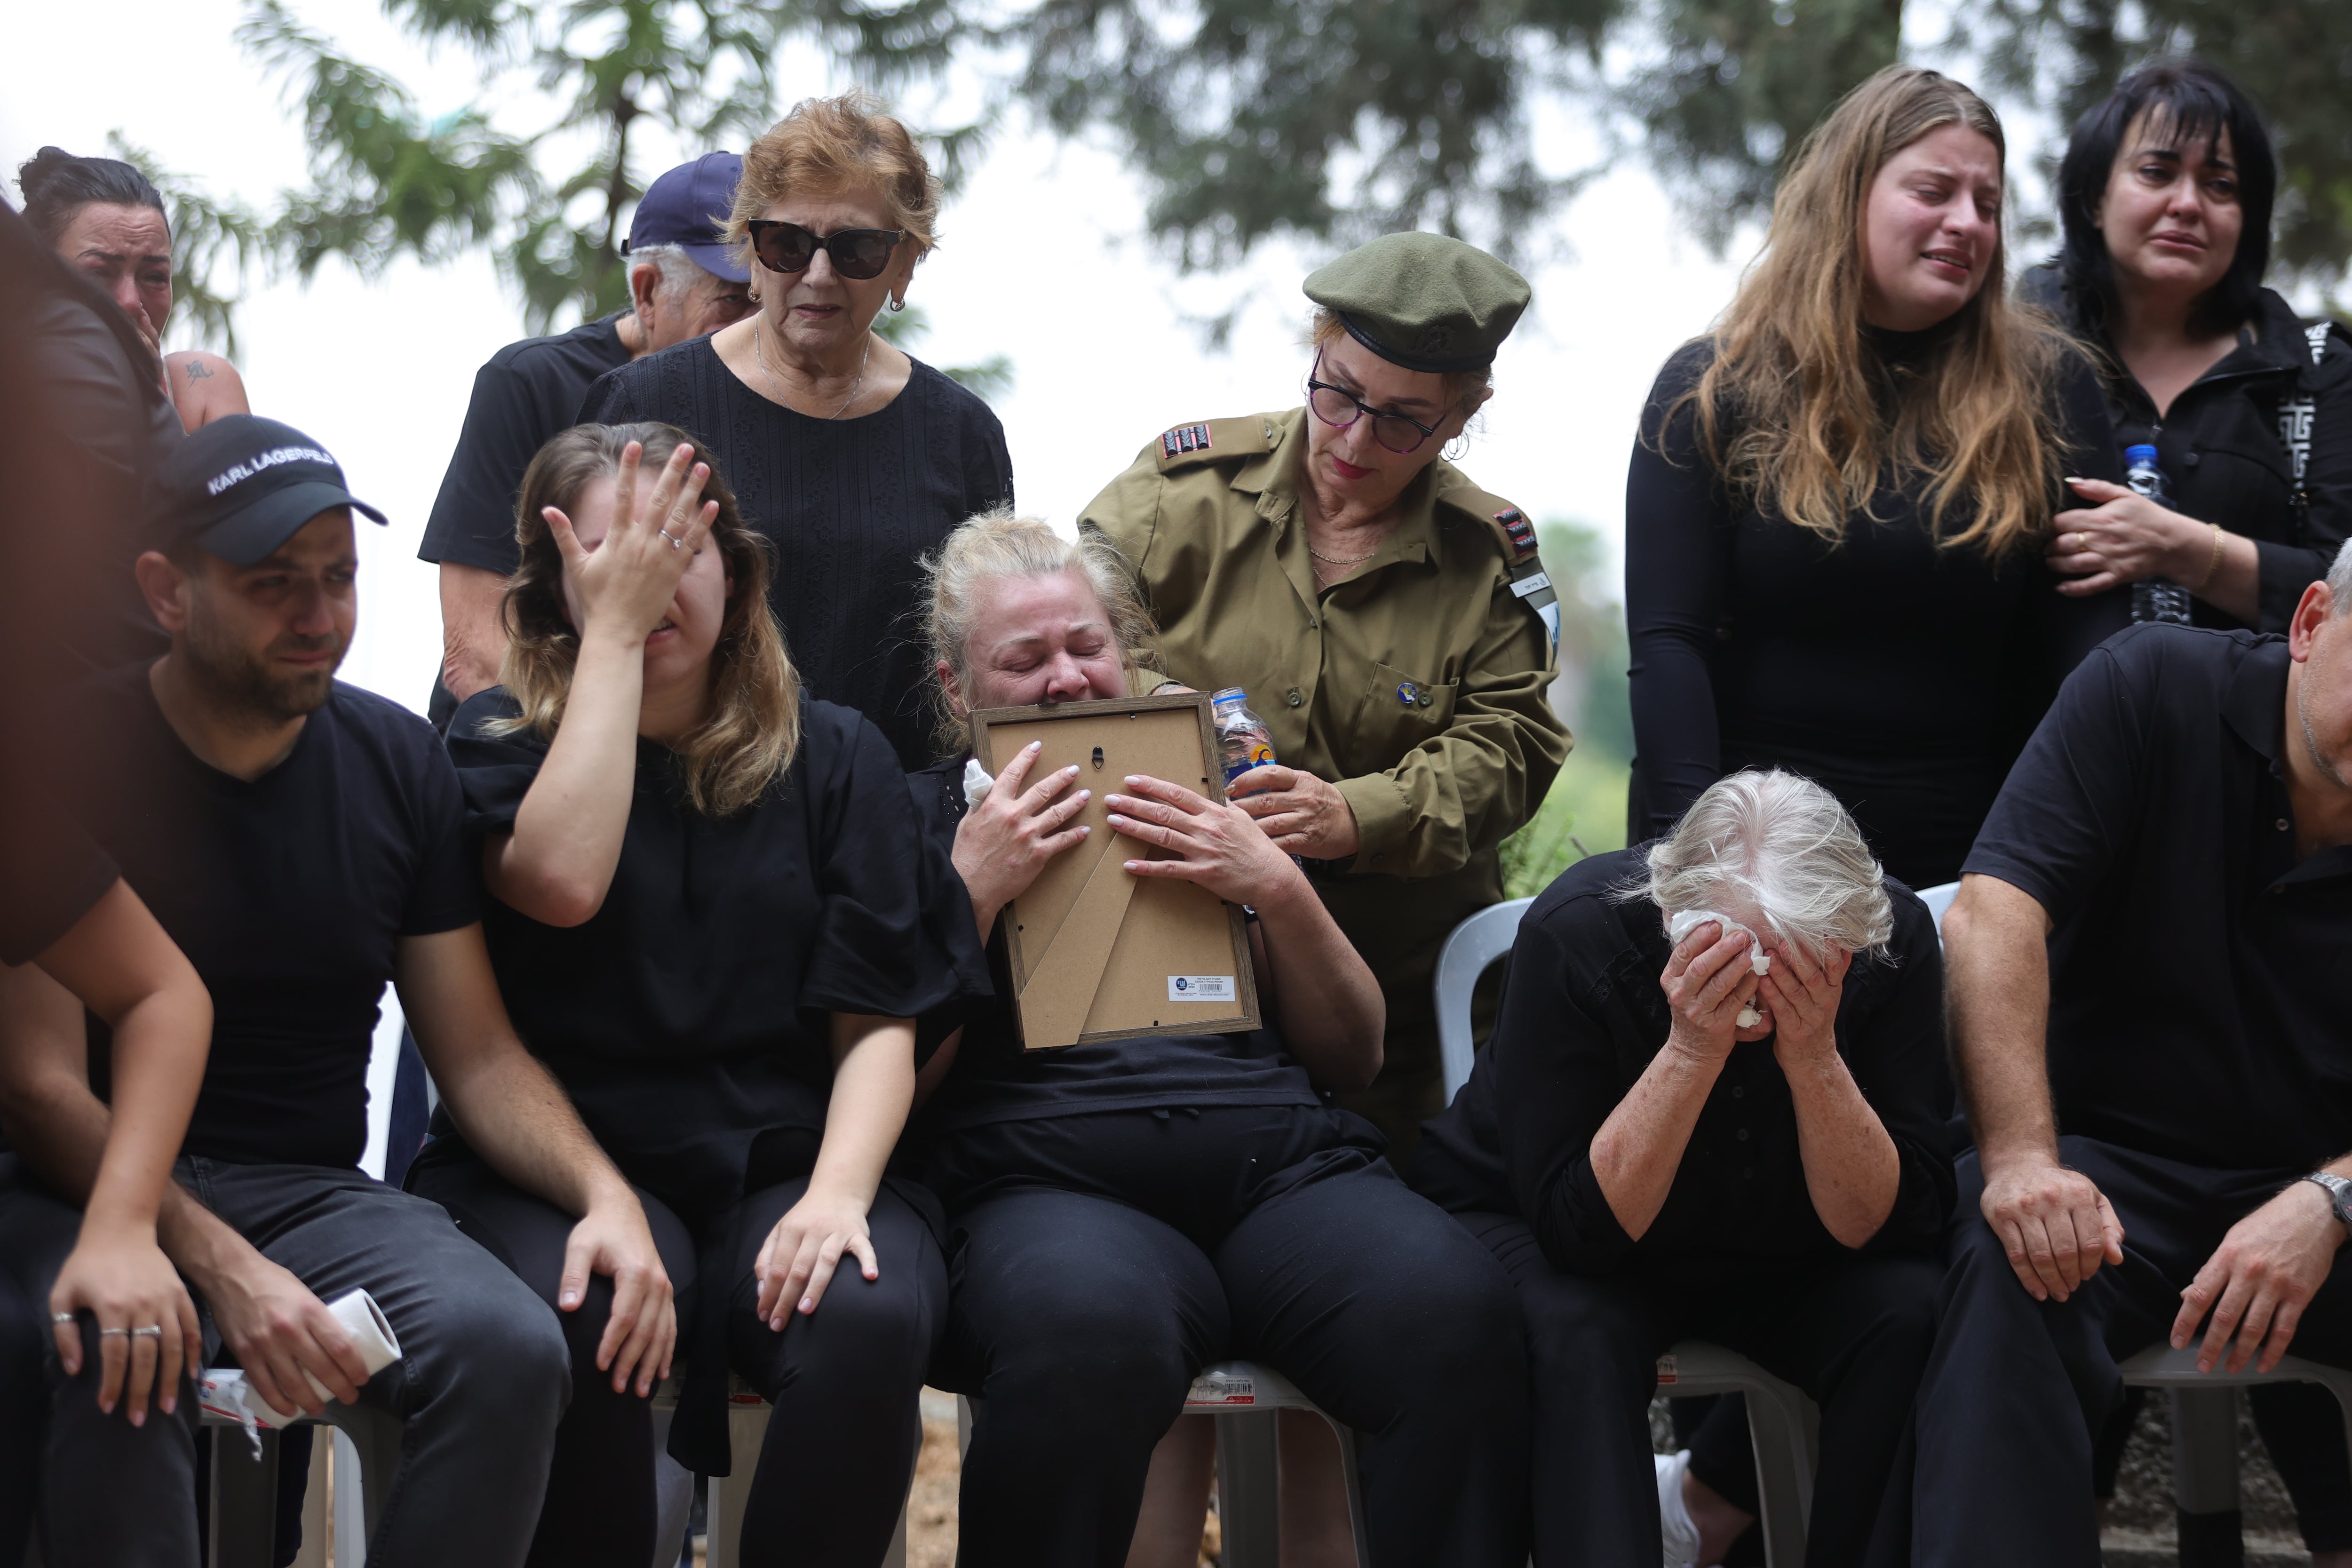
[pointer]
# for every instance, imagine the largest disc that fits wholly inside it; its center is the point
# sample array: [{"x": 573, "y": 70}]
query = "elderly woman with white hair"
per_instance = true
[{"x": 1748, "y": 1148}]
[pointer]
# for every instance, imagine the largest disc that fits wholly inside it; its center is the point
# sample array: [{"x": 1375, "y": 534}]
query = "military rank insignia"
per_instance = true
[
  {"x": 1515, "y": 523},
  {"x": 1184, "y": 438}
]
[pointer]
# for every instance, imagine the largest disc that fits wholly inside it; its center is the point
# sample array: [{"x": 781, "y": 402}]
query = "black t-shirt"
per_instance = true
[
  {"x": 2199, "y": 974},
  {"x": 1900, "y": 676},
  {"x": 288, "y": 894},
  {"x": 1583, "y": 1015},
  {"x": 689, "y": 1017},
  {"x": 524, "y": 394},
  {"x": 851, "y": 506},
  {"x": 995, "y": 1080}
]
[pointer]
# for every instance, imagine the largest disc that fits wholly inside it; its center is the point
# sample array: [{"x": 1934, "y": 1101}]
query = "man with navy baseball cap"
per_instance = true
[
  {"x": 684, "y": 283},
  {"x": 303, "y": 842}
]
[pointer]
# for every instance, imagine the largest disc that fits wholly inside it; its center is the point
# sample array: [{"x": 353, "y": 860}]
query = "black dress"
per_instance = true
[
  {"x": 850, "y": 505},
  {"x": 689, "y": 1021},
  {"x": 1901, "y": 677}
]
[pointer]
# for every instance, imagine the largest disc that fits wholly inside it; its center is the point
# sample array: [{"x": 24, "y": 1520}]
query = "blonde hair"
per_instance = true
[
  {"x": 826, "y": 146},
  {"x": 996, "y": 543},
  {"x": 1459, "y": 389},
  {"x": 1780, "y": 846},
  {"x": 1790, "y": 411},
  {"x": 748, "y": 741}
]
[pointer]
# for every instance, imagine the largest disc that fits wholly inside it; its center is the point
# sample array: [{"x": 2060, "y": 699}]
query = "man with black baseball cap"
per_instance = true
[
  {"x": 684, "y": 282},
  {"x": 302, "y": 841}
]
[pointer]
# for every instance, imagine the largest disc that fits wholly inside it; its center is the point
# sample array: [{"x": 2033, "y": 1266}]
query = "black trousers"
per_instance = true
[
  {"x": 2017, "y": 1389},
  {"x": 845, "y": 1381},
  {"x": 479, "y": 1384},
  {"x": 1852, "y": 1331},
  {"x": 1098, "y": 1261}
]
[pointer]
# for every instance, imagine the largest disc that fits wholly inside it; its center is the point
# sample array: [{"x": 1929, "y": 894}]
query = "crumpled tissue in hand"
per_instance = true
[
  {"x": 976, "y": 783},
  {"x": 1758, "y": 960}
]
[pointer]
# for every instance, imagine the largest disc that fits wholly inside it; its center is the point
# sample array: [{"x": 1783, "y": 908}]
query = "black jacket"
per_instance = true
[
  {"x": 2231, "y": 445},
  {"x": 1583, "y": 1015}
]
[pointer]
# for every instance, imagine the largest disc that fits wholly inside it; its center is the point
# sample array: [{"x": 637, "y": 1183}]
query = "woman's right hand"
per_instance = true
[
  {"x": 1004, "y": 841},
  {"x": 128, "y": 1285},
  {"x": 624, "y": 587},
  {"x": 1708, "y": 981}
]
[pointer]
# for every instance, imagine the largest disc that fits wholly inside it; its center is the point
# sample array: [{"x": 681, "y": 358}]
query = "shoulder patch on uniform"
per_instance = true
[
  {"x": 1210, "y": 441},
  {"x": 1519, "y": 530}
]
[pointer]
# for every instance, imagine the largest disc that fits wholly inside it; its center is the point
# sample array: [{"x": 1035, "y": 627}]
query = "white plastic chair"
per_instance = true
[{"x": 1783, "y": 1423}]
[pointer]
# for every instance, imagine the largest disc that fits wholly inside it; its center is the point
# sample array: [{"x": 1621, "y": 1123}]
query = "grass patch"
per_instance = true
[{"x": 1583, "y": 815}]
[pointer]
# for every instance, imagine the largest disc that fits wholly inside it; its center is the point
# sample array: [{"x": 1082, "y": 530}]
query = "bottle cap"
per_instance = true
[
  {"x": 1231, "y": 697},
  {"x": 2139, "y": 457}
]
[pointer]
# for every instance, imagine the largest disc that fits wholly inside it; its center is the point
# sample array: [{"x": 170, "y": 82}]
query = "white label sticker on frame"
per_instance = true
[{"x": 1200, "y": 988}]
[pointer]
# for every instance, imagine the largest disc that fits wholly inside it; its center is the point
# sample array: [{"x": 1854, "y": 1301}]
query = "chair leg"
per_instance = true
[
  {"x": 1356, "y": 1531},
  {"x": 1783, "y": 1475},
  {"x": 2205, "y": 1476},
  {"x": 356, "y": 1483},
  {"x": 747, "y": 1424},
  {"x": 1249, "y": 1499},
  {"x": 244, "y": 1500}
]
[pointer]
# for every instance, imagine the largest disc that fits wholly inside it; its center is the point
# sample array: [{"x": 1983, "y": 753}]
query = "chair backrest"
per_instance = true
[
  {"x": 1473, "y": 946},
  {"x": 1938, "y": 898}
]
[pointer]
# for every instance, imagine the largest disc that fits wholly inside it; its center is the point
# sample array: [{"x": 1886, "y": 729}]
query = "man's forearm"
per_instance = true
[
  {"x": 473, "y": 631},
  {"x": 517, "y": 1118},
  {"x": 1997, "y": 985}
]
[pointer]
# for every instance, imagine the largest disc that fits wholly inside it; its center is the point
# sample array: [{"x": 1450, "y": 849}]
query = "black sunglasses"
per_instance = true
[
  {"x": 857, "y": 252},
  {"x": 1339, "y": 407}
]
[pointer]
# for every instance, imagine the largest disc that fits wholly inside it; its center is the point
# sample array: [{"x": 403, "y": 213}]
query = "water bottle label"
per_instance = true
[{"x": 1259, "y": 754}]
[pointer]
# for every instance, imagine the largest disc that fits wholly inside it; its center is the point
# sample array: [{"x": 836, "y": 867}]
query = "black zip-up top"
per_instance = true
[{"x": 2261, "y": 444}]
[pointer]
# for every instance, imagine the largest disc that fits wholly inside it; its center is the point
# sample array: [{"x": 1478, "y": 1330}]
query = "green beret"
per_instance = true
[{"x": 1422, "y": 300}]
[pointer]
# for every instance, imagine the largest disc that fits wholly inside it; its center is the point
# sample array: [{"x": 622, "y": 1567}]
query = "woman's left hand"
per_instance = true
[
  {"x": 797, "y": 1260},
  {"x": 1800, "y": 997},
  {"x": 1301, "y": 813},
  {"x": 1221, "y": 848},
  {"x": 2124, "y": 537}
]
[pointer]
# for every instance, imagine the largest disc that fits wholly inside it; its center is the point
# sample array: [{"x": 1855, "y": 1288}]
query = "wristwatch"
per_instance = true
[{"x": 2340, "y": 1195}]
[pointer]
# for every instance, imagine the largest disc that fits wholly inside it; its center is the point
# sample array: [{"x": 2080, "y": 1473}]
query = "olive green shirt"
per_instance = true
[{"x": 1419, "y": 686}]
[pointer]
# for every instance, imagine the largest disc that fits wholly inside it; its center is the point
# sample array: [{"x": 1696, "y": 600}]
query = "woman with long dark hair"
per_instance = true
[
  {"x": 2166, "y": 195},
  {"x": 713, "y": 914}
]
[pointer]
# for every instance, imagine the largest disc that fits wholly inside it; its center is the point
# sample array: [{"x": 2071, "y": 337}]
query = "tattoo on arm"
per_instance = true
[{"x": 197, "y": 369}]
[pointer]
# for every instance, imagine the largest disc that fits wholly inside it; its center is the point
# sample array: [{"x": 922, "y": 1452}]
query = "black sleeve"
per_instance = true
[
  {"x": 1677, "y": 571},
  {"x": 988, "y": 463},
  {"x": 1898, "y": 1061},
  {"x": 2066, "y": 630},
  {"x": 1555, "y": 1082},
  {"x": 2072, "y": 805},
  {"x": 473, "y": 519},
  {"x": 442, "y": 894},
  {"x": 896, "y": 938},
  {"x": 2286, "y": 569},
  {"x": 496, "y": 770},
  {"x": 612, "y": 399}
]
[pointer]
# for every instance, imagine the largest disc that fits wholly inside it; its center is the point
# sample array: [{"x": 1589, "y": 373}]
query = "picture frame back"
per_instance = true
[{"x": 1097, "y": 953}]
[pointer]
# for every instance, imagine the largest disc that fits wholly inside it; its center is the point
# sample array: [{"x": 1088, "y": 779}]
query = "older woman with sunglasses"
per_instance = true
[{"x": 853, "y": 458}]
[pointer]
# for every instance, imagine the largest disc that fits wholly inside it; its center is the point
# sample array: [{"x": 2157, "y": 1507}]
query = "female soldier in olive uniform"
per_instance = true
[{"x": 1389, "y": 620}]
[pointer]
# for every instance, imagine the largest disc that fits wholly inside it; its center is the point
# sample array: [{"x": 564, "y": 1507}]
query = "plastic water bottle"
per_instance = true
[
  {"x": 2154, "y": 598},
  {"x": 1241, "y": 735}
]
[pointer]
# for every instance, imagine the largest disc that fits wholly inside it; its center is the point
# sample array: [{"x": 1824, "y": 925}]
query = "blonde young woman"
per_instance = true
[
  {"x": 712, "y": 914},
  {"x": 1839, "y": 502}
]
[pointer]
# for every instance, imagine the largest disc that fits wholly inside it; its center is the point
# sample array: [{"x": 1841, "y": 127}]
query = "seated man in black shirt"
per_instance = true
[
  {"x": 1665, "y": 1139},
  {"x": 302, "y": 842},
  {"x": 2151, "y": 1005}
]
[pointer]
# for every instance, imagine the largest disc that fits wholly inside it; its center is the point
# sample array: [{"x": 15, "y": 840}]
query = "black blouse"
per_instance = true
[
  {"x": 995, "y": 1080},
  {"x": 689, "y": 1016},
  {"x": 851, "y": 506},
  {"x": 1583, "y": 1015},
  {"x": 1901, "y": 677}
]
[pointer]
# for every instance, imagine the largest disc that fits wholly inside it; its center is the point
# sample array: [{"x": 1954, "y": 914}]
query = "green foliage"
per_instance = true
[{"x": 1331, "y": 119}]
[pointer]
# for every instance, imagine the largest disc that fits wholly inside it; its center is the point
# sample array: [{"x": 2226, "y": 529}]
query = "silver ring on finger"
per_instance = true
[
  {"x": 61, "y": 1317},
  {"x": 103, "y": 1332},
  {"x": 153, "y": 1331},
  {"x": 675, "y": 542}
]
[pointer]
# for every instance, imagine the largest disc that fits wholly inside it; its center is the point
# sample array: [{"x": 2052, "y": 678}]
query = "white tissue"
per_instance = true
[
  {"x": 1681, "y": 925},
  {"x": 976, "y": 783},
  {"x": 226, "y": 1391}
]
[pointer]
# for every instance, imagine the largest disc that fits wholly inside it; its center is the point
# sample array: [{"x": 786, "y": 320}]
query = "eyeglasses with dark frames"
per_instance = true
[
  {"x": 859, "y": 253},
  {"x": 1340, "y": 408}
]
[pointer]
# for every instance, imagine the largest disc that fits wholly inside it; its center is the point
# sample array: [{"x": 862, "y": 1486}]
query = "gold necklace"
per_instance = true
[{"x": 760, "y": 352}]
